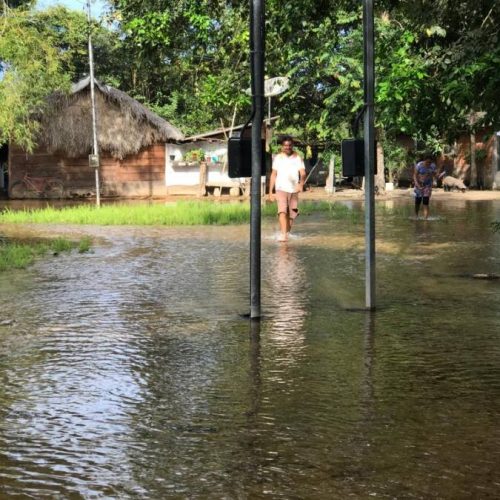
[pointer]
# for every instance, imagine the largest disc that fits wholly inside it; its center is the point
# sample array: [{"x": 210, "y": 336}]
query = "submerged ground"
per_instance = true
[{"x": 129, "y": 372}]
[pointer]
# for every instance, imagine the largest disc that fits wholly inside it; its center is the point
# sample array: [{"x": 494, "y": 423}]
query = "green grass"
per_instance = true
[
  {"x": 184, "y": 213},
  {"x": 20, "y": 254},
  {"x": 84, "y": 244}
]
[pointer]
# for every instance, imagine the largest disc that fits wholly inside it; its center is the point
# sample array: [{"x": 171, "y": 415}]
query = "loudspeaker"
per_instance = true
[
  {"x": 353, "y": 157},
  {"x": 239, "y": 157}
]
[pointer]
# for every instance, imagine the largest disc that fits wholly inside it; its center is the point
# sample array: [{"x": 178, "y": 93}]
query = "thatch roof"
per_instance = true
[{"x": 124, "y": 126}]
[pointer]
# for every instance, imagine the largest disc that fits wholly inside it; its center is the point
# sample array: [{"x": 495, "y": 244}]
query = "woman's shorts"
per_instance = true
[
  {"x": 422, "y": 199},
  {"x": 288, "y": 203}
]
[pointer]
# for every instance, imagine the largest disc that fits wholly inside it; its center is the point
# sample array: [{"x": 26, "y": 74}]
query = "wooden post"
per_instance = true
[
  {"x": 203, "y": 178},
  {"x": 380, "y": 176},
  {"x": 330, "y": 181}
]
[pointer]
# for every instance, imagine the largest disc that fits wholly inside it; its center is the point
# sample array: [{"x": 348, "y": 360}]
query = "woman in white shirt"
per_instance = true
[{"x": 288, "y": 176}]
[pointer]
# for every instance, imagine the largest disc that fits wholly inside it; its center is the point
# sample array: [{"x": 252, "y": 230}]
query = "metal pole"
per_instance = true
[
  {"x": 257, "y": 153},
  {"x": 369, "y": 140},
  {"x": 95, "y": 148}
]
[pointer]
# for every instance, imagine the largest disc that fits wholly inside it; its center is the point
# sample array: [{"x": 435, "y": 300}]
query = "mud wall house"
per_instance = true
[
  {"x": 476, "y": 159},
  {"x": 132, "y": 145},
  {"x": 457, "y": 159}
]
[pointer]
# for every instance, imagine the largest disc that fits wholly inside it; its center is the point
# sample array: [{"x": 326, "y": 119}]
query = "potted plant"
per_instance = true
[{"x": 194, "y": 155}]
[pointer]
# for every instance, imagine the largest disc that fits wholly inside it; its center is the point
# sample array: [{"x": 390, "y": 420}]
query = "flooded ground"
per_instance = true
[{"x": 129, "y": 372}]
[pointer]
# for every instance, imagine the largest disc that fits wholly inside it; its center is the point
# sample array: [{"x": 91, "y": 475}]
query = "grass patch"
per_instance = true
[
  {"x": 182, "y": 213},
  {"x": 177, "y": 214},
  {"x": 84, "y": 245},
  {"x": 20, "y": 254},
  {"x": 61, "y": 245}
]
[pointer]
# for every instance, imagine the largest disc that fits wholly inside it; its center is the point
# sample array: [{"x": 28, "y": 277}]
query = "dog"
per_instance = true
[{"x": 450, "y": 183}]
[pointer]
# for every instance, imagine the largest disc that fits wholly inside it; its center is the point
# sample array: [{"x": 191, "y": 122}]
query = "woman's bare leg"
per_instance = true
[{"x": 283, "y": 220}]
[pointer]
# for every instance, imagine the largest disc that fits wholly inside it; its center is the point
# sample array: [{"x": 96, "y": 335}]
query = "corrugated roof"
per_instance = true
[{"x": 219, "y": 131}]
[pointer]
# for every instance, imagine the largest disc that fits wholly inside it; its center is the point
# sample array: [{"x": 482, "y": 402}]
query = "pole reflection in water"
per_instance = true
[
  {"x": 247, "y": 456},
  {"x": 367, "y": 389},
  {"x": 360, "y": 436},
  {"x": 288, "y": 304},
  {"x": 255, "y": 367}
]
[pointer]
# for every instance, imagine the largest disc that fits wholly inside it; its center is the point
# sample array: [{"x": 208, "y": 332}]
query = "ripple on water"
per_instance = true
[{"x": 128, "y": 373}]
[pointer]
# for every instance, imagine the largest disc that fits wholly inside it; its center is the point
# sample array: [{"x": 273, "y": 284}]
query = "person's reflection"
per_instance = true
[{"x": 289, "y": 296}]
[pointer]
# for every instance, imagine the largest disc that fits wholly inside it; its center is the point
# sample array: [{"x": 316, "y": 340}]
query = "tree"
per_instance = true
[
  {"x": 44, "y": 51},
  {"x": 436, "y": 61},
  {"x": 189, "y": 59},
  {"x": 31, "y": 70},
  {"x": 459, "y": 42},
  {"x": 14, "y": 4},
  {"x": 67, "y": 30}
]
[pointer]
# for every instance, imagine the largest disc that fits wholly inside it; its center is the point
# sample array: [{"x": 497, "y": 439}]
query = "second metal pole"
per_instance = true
[
  {"x": 257, "y": 69},
  {"x": 369, "y": 140}
]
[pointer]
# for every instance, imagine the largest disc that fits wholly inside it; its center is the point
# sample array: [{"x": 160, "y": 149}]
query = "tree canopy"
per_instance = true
[
  {"x": 31, "y": 69},
  {"x": 45, "y": 51},
  {"x": 436, "y": 62}
]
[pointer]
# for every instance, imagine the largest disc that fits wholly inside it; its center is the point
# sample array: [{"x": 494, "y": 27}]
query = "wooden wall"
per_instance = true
[{"x": 139, "y": 175}]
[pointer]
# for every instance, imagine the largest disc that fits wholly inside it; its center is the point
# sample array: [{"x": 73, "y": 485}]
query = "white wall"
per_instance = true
[
  {"x": 179, "y": 176},
  {"x": 190, "y": 175}
]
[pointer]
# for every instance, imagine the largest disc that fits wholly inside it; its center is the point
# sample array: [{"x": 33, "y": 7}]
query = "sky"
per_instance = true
[{"x": 97, "y": 6}]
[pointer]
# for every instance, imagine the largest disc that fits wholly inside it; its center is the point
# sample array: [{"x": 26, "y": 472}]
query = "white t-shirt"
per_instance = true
[{"x": 287, "y": 168}]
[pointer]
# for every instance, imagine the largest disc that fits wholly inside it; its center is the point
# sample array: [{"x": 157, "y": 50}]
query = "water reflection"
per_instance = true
[
  {"x": 127, "y": 373},
  {"x": 367, "y": 391},
  {"x": 288, "y": 301},
  {"x": 255, "y": 368}
]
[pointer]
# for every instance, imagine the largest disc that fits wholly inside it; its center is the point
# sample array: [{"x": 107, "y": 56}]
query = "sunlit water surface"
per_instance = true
[{"x": 129, "y": 372}]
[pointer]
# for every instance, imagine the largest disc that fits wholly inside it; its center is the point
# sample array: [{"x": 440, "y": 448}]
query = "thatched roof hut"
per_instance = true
[{"x": 124, "y": 126}]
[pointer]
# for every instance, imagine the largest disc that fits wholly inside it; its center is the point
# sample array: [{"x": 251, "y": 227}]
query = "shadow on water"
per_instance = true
[{"x": 127, "y": 373}]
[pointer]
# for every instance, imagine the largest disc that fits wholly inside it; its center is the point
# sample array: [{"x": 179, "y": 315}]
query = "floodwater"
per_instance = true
[{"x": 129, "y": 372}]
